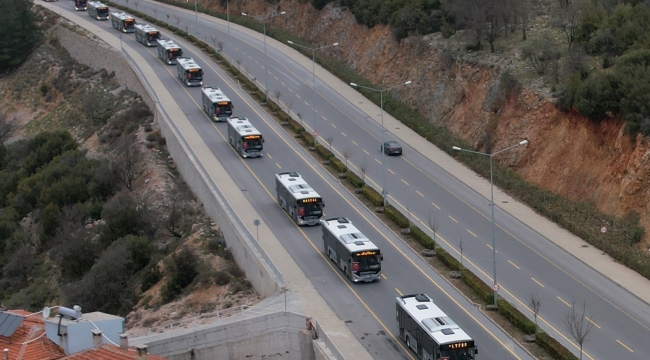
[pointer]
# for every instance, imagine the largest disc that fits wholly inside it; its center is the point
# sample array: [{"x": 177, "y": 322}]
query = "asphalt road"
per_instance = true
[{"x": 527, "y": 262}]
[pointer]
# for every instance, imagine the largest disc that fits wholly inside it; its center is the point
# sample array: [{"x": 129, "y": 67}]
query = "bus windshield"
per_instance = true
[
  {"x": 153, "y": 37},
  {"x": 102, "y": 11},
  {"x": 312, "y": 209},
  {"x": 129, "y": 24},
  {"x": 224, "y": 110},
  {"x": 368, "y": 262},
  {"x": 174, "y": 53},
  {"x": 195, "y": 75},
  {"x": 251, "y": 144}
]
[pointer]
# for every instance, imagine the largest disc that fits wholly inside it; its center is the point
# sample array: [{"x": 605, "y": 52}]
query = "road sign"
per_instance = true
[
  {"x": 603, "y": 229},
  {"x": 495, "y": 287},
  {"x": 315, "y": 133}
]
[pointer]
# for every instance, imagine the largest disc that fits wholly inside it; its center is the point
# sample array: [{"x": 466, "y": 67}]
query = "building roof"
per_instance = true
[
  {"x": 108, "y": 352},
  {"x": 28, "y": 341}
]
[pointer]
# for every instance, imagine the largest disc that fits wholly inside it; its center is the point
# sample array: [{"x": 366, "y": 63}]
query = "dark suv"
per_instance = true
[{"x": 391, "y": 148}]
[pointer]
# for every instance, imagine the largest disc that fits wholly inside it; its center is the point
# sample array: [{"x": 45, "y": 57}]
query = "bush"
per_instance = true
[
  {"x": 448, "y": 260},
  {"x": 323, "y": 152},
  {"x": 553, "y": 348},
  {"x": 183, "y": 272},
  {"x": 296, "y": 127},
  {"x": 338, "y": 165},
  {"x": 372, "y": 195},
  {"x": 516, "y": 318},
  {"x": 355, "y": 180},
  {"x": 307, "y": 137},
  {"x": 395, "y": 216},
  {"x": 424, "y": 239},
  {"x": 150, "y": 277}
]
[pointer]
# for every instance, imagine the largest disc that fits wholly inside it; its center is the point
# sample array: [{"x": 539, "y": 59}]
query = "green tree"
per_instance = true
[
  {"x": 49, "y": 223},
  {"x": 183, "y": 272},
  {"x": 598, "y": 96},
  {"x": 19, "y": 33}
]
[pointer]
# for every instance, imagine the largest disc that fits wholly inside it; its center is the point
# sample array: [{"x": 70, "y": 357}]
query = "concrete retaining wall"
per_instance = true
[
  {"x": 278, "y": 335},
  {"x": 259, "y": 270}
]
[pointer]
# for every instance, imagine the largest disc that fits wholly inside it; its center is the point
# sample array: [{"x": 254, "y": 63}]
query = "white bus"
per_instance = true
[
  {"x": 216, "y": 104},
  {"x": 97, "y": 10},
  {"x": 122, "y": 21},
  {"x": 244, "y": 137},
  {"x": 298, "y": 199},
  {"x": 189, "y": 72},
  {"x": 146, "y": 35},
  {"x": 168, "y": 51},
  {"x": 352, "y": 251},
  {"x": 429, "y": 332}
]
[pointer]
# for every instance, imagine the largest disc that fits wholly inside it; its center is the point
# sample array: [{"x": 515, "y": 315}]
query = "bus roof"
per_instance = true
[
  {"x": 168, "y": 44},
  {"x": 145, "y": 28},
  {"x": 348, "y": 234},
  {"x": 440, "y": 326},
  {"x": 97, "y": 4},
  {"x": 187, "y": 63},
  {"x": 121, "y": 15},
  {"x": 296, "y": 185},
  {"x": 214, "y": 94},
  {"x": 243, "y": 126}
]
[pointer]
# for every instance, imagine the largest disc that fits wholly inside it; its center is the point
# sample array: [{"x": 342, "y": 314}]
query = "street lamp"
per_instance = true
[
  {"x": 313, "y": 77},
  {"x": 495, "y": 287},
  {"x": 266, "y": 71},
  {"x": 384, "y": 193}
]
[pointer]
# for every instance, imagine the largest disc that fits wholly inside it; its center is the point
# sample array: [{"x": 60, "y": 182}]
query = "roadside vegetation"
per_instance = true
[{"x": 81, "y": 220}]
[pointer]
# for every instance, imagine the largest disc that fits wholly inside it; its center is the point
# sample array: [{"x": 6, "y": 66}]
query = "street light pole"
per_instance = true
[
  {"x": 228, "y": 21},
  {"x": 384, "y": 192},
  {"x": 495, "y": 286},
  {"x": 266, "y": 71},
  {"x": 196, "y": 12},
  {"x": 313, "y": 77}
]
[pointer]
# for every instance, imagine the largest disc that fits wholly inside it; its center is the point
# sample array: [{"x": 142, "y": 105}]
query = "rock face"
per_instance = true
[{"x": 567, "y": 154}]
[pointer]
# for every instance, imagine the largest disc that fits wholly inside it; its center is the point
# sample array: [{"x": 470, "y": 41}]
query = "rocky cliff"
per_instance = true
[{"x": 567, "y": 154}]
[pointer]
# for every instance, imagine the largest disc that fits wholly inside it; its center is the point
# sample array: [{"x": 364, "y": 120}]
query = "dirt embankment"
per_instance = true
[{"x": 567, "y": 154}]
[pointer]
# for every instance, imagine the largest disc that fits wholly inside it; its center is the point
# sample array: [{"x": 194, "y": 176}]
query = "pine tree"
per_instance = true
[{"x": 19, "y": 33}]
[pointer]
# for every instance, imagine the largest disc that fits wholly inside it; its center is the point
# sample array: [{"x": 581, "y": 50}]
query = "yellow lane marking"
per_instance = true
[
  {"x": 456, "y": 221},
  {"x": 470, "y": 231},
  {"x": 278, "y": 165},
  {"x": 419, "y": 193},
  {"x": 342, "y": 133},
  {"x": 399, "y": 292},
  {"x": 538, "y": 283},
  {"x": 623, "y": 345},
  {"x": 515, "y": 265},
  {"x": 404, "y": 181},
  {"x": 367, "y": 153},
  {"x": 354, "y": 142},
  {"x": 391, "y": 171},
  {"x": 591, "y": 321},
  {"x": 437, "y": 207},
  {"x": 565, "y": 303}
]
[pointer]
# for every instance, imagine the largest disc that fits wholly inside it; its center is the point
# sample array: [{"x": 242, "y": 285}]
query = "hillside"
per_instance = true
[{"x": 113, "y": 127}]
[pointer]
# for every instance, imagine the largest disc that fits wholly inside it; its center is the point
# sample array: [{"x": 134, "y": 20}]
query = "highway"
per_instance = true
[{"x": 527, "y": 262}]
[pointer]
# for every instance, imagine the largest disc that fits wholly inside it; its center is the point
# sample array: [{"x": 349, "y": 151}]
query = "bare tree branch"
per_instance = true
[
  {"x": 535, "y": 303},
  {"x": 127, "y": 161},
  {"x": 578, "y": 324}
]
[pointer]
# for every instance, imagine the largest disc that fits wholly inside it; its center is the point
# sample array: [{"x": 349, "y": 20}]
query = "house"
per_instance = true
[{"x": 67, "y": 335}]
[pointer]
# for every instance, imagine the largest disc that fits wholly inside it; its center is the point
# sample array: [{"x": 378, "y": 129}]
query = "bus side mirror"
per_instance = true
[
  {"x": 323, "y": 204},
  {"x": 382, "y": 258},
  {"x": 476, "y": 351},
  {"x": 349, "y": 260}
]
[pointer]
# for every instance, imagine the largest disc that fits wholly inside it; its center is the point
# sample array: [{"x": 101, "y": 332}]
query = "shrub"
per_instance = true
[
  {"x": 481, "y": 289},
  {"x": 323, "y": 152},
  {"x": 372, "y": 195},
  {"x": 355, "y": 180},
  {"x": 150, "y": 277},
  {"x": 424, "y": 239},
  {"x": 338, "y": 165},
  {"x": 307, "y": 137},
  {"x": 516, "y": 318},
  {"x": 183, "y": 270},
  {"x": 296, "y": 127},
  {"x": 395, "y": 216},
  {"x": 553, "y": 348},
  {"x": 448, "y": 260}
]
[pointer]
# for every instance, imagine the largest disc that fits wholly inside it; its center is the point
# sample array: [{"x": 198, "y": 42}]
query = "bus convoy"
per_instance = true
[
  {"x": 429, "y": 332},
  {"x": 245, "y": 138},
  {"x": 97, "y": 10},
  {"x": 146, "y": 35},
  {"x": 122, "y": 22},
  {"x": 189, "y": 72},
  {"x": 81, "y": 5},
  {"x": 215, "y": 103},
  {"x": 298, "y": 199},
  {"x": 425, "y": 329},
  {"x": 352, "y": 251},
  {"x": 168, "y": 51}
]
